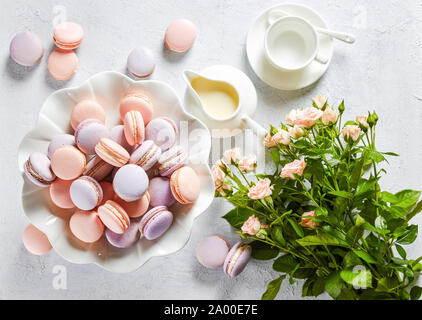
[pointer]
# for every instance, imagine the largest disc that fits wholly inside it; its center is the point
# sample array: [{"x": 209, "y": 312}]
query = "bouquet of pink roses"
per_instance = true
[{"x": 321, "y": 215}]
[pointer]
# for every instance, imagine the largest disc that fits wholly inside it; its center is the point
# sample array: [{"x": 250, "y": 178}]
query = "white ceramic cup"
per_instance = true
[{"x": 292, "y": 43}]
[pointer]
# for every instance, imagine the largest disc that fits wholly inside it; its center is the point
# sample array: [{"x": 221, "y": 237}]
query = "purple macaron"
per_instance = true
[
  {"x": 155, "y": 222},
  {"x": 60, "y": 141},
  {"x": 237, "y": 259},
  {"x": 117, "y": 134},
  {"x": 163, "y": 131},
  {"x": 212, "y": 251},
  {"x": 146, "y": 156},
  {"x": 38, "y": 170},
  {"x": 171, "y": 160},
  {"x": 97, "y": 168},
  {"x": 160, "y": 192},
  {"x": 86, "y": 193},
  {"x": 88, "y": 133},
  {"x": 26, "y": 49},
  {"x": 127, "y": 238},
  {"x": 130, "y": 182}
]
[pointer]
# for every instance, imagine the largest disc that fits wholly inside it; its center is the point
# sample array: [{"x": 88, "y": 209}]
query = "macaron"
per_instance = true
[
  {"x": 130, "y": 182},
  {"x": 35, "y": 241},
  {"x": 117, "y": 133},
  {"x": 127, "y": 238},
  {"x": 62, "y": 64},
  {"x": 68, "y": 162},
  {"x": 86, "y": 193},
  {"x": 108, "y": 191},
  {"x": 134, "y": 209},
  {"x": 86, "y": 226},
  {"x": 68, "y": 35},
  {"x": 137, "y": 102},
  {"x": 171, "y": 160},
  {"x": 185, "y": 185},
  {"x": 212, "y": 251},
  {"x": 88, "y": 134},
  {"x": 38, "y": 170},
  {"x": 155, "y": 222},
  {"x": 114, "y": 217},
  {"x": 86, "y": 109},
  {"x": 160, "y": 191},
  {"x": 163, "y": 131},
  {"x": 180, "y": 35},
  {"x": 60, "y": 193},
  {"x": 237, "y": 259},
  {"x": 26, "y": 49},
  {"x": 146, "y": 156},
  {"x": 112, "y": 152},
  {"x": 97, "y": 168},
  {"x": 60, "y": 141},
  {"x": 140, "y": 62},
  {"x": 134, "y": 128}
]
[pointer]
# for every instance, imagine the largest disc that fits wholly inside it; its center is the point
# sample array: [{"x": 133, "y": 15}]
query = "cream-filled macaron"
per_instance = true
[{"x": 180, "y": 35}]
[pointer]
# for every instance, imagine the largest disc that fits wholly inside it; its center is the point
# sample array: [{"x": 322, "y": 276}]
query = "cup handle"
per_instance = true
[
  {"x": 255, "y": 126},
  {"x": 275, "y": 15},
  {"x": 321, "y": 59}
]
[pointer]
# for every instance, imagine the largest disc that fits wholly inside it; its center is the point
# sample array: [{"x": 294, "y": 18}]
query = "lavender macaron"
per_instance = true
[
  {"x": 38, "y": 170},
  {"x": 146, "y": 156},
  {"x": 126, "y": 239},
  {"x": 160, "y": 192},
  {"x": 86, "y": 193},
  {"x": 155, "y": 222},
  {"x": 26, "y": 49},
  {"x": 60, "y": 141},
  {"x": 117, "y": 134},
  {"x": 237, "y": 259},
  {"x": 212, "y": 251},
  {"x": 171, "y": 160},
  {"x": 163, "y": 131},
  {"x": 130, "y": 182},
  {"x": 88, "y": 133}
]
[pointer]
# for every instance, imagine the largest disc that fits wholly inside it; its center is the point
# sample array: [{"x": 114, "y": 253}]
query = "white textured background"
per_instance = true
[{"x": 382, "y": 71}]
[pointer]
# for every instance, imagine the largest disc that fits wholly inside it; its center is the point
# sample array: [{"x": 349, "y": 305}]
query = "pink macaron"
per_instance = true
[
  {"x": 38, "y": 170},
  {"x": 112, "y": 152},
  {"x": 26, "y": 49},
  {"x": 185, "y": 185},
  {"x": 68, "y": 162},
  {"x": 212, "y": 251},
  {"x": 35, "y": 241},
  {"x": 171, "y": 160},
  {"x": 237, "y": 259},
  {"x": 86, "y": 109},
  {"x": 114, "y": 217},
  {"x": 108, "y": 191},
  {"x": 60, "y": 194},
  {"x": 137, "y": 102},
  {"x": 180, "y": 35},
  {"x": 86, "y": 193},
  {"x": 68, "y": 35},
  {"x": 86, "y": 226},
  {"x": 62, "y": 64},
  {"x": 134, "y": 128},
  {"x": 146, "y": 156},
  {"x": 136, "y": 208},
  {"x": 97, "y": 168},
  {"x": 163, "y": 131},
  {"x": 155, "y": 222}
]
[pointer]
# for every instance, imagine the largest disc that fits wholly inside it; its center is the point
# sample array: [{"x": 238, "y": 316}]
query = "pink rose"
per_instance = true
[
  {"x": 217, "y": 173},
  {"x": 308, "y": 117},
  {"x": 282, "y": 137},
  {"x": 308, "y": 222},
  {"x": 296, "y": 132},
  {"x": 330, "y": 116},
  {"x": 320, "y": 101},
  {"x": 268, "y": 141},
  {"x": 261, "y": 189},
  {"x": 248, "y": 163},
  {"x": 295, "y": 167},
  {"x": 291, "y": 117},
  {"x": 251, "y": 226},
  {"x": 233, "y": 155},
  {"x": 362, "y": 122},
  {"x": 351, "y": 133},
  {"x": 223, "y": 189}
]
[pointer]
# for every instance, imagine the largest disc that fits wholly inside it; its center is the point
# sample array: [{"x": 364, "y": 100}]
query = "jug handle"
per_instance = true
[{"x": 255, "y": 126}]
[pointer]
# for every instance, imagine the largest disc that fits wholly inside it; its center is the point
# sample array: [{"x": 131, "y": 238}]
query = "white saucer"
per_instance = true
[{"x": 275, "y": 77}]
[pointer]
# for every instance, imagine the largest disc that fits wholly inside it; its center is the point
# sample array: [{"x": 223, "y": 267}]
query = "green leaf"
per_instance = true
[
  {"x": 321, "y": 239},
  {"x": 238, "y": 216},
  {"x": 351, "y": 260},
  {"x": 275, "y": 155},
  {"x": 277, "y": 235},
  {"x": 375, "y": 156},
  {"x": 357, "y": 172},
  {"x": 286, "y": 263},
  {"x": 388, "y": 197},
  {"x": 410, "y": 236},
  {"x": 353, "y": 235},
  {"x": 321, "y": 212},
  {"x": 263, "y": 251},
  {"x": 318, "y": 287},
  {"x": 365, "y": 256},
  {"x": 415, "y": 211},
  {"x": 415, "y": 293},
  {"x": 386, "y": 284},
  {"x": 334, "y": 284},
  {"x": 407, "y": 198},
  {"x": 342, "y": 194},
  {"x": 273, "y": 288},
  {"x": 361, "y": 278},
  {"x": 365, "y": 186},
  {"x": 401, "y": 251},
  {"x": 298, "y": 229}
]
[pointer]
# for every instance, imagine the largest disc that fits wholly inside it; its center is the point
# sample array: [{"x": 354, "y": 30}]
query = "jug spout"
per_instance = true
[{"x": 189, "y": 75}]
